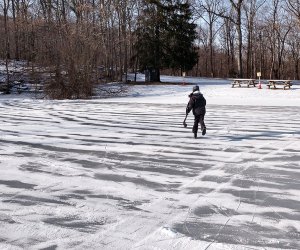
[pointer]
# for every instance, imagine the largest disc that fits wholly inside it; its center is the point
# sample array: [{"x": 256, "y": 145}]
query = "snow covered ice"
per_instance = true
[{"x": 123, "y": 173}]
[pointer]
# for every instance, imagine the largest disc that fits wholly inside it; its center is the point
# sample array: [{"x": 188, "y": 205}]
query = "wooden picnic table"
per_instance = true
[
  {"x": 239, "y": 82},
  {"x": 274, "y": 84}
]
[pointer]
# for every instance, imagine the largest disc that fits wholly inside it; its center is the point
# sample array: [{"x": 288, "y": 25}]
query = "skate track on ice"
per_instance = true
[{"x": 93, "y": 175}]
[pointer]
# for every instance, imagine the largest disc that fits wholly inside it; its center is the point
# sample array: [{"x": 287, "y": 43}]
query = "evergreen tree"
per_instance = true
[
  {"x": 165, "y": 36},
  {"x": 180, "y": 34},
  {"x": 148, "y": 46}
]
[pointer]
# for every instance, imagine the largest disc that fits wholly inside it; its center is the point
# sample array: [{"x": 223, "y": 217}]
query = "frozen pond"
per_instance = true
[{"x": 111, "y": 175}]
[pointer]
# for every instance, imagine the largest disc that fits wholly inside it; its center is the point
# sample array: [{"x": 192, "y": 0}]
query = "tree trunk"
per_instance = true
[{"x": 7, "y": 43}]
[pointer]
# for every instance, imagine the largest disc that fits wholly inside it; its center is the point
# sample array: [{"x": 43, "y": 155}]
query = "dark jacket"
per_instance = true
[{"x": 197, "y": 103}]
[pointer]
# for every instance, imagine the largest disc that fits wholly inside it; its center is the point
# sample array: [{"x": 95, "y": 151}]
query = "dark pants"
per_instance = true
[{"x": 198, "y": 119}]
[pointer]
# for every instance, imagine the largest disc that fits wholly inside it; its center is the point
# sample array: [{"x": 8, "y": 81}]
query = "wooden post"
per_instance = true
[
  {"x": 183, "y": 76},
  {"x": 259, "y": 83}
]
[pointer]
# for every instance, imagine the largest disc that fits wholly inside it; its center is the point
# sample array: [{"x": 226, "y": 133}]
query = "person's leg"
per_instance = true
[
  {"x": 195, "y": 127},
  {"x": 203, "y": 127}
]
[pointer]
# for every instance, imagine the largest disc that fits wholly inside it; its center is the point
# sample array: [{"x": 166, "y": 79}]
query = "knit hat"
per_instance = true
[{"x": 195, "y": 88}]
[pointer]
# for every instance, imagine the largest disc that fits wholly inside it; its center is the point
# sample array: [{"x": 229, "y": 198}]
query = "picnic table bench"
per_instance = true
[
  {"x": 274, "y": 84},
  {"x": 239, "y": 82}
]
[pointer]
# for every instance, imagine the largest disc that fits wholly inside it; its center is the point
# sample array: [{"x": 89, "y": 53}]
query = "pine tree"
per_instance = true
[
  {"x": 148, "y": 46},
  {"x": 180, "y": 35},
  {"x": 165, "y": 36}
]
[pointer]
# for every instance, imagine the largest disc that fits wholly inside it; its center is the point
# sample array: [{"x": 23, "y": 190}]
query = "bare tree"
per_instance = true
[
  {"x": 228, "y": 43},
  {"x": 294, "y": 44},
  {"x": 237, "y": 6},
  {"x": 294, "y": 7},
  {"x": 234, "y": 15},
  {"x": 210, "y": 8},
  {"x": 5, "y": 7},
  {"x": 251, "y": 8},
  {"x": 281, "y": 26}
]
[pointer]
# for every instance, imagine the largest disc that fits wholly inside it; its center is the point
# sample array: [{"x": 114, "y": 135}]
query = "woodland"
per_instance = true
[{"x": 74, "y": 44}]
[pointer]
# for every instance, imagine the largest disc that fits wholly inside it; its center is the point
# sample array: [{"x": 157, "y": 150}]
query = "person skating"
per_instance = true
[{"x": 197, "y": 103}]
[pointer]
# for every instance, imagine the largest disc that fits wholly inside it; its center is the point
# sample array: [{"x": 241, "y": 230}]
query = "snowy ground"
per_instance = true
[{"x": 123, "y": 173}]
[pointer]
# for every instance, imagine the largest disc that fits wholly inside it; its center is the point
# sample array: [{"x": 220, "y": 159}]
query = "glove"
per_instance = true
[{"x": 187, "y": 111}]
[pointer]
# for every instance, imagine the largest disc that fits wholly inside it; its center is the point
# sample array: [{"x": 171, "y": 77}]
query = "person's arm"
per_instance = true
[{"x": 189, "y": 106}]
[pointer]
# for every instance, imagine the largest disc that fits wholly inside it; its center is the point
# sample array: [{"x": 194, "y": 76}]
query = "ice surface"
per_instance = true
[{"x": 123, "y": 173}]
